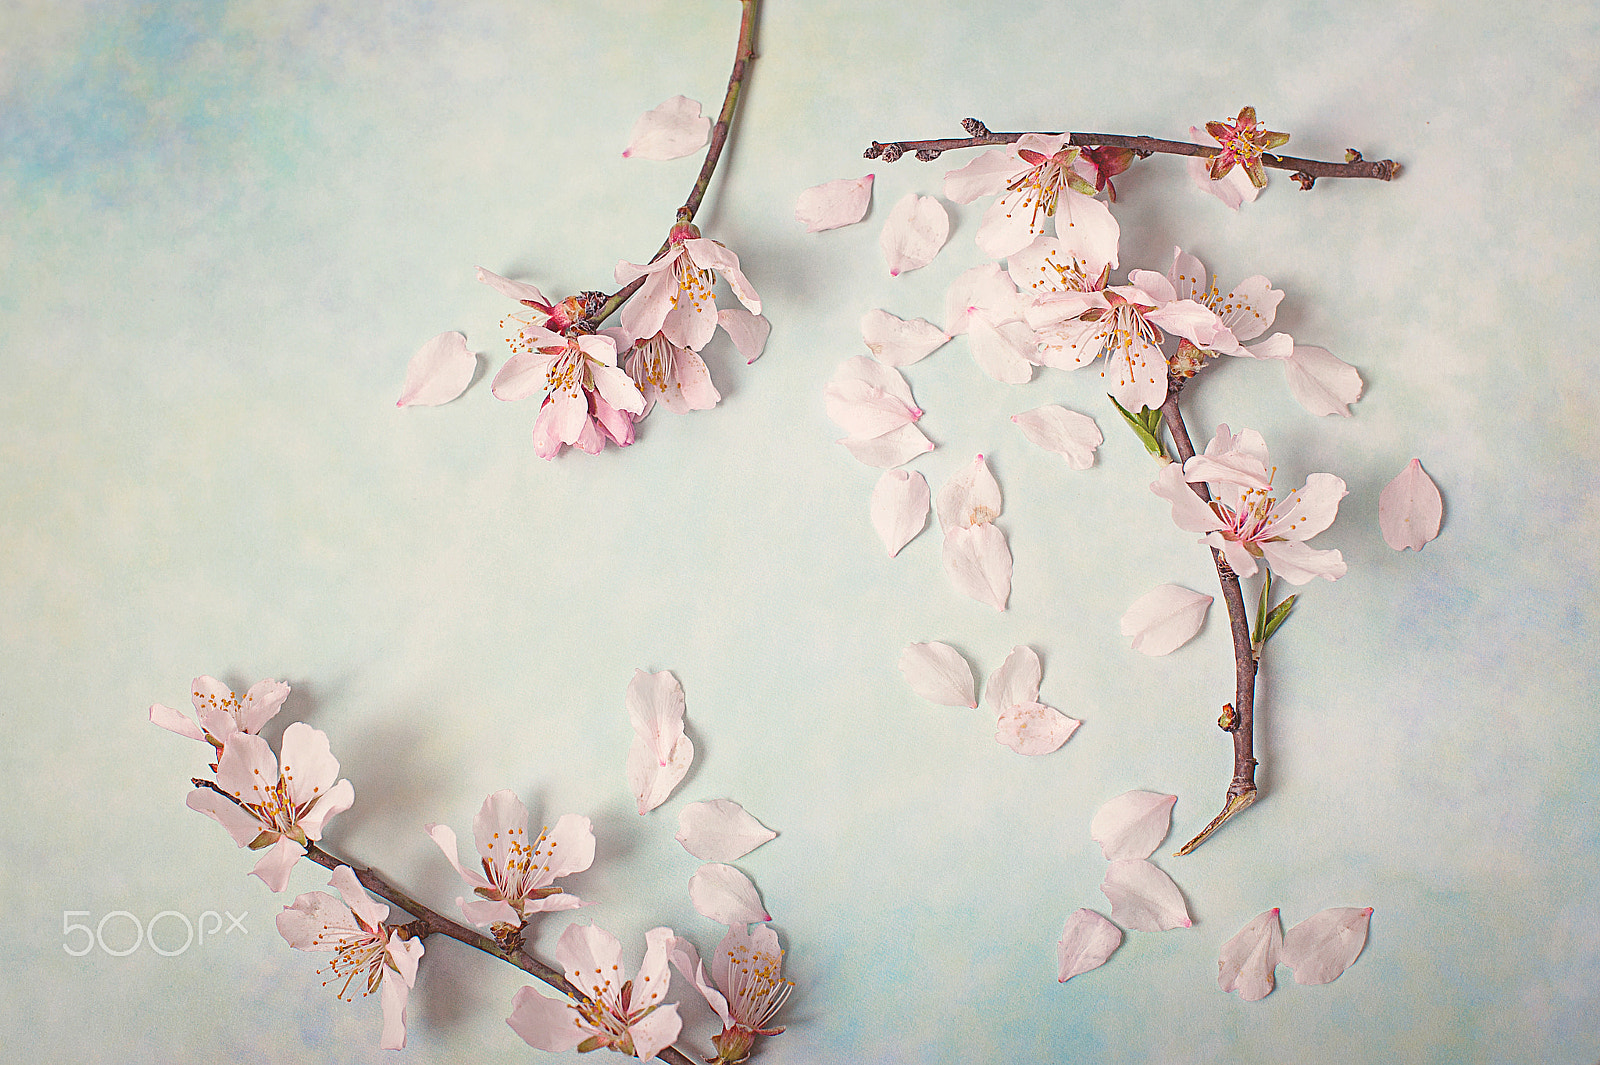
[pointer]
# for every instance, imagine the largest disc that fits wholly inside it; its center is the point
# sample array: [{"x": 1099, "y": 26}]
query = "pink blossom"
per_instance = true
[
  {"x": 590, "y": 399},
  {"x": 746, "y": 988},
  {"x": 668, "y": 372},
  {"x": 219, "y": 714},
  {"x": 676, "y": 297},
  {"x": 1038, "y": 178}
]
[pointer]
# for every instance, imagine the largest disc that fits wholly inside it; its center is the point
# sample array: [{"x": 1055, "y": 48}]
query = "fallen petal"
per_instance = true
[
  {"x": 1165, "y": 618},
  {"x": 1086, "y": 942},
  {"x": 1325, "y": 944},
  {"x": 937, "y": 672},
  {"x": 1249, "y": 958},
  {"x": 1034, "y": 728},
  {"x": 897, "y": 342},
  {"x": 1072, "y": 435},
  {"x": 1410, "y": 509},
  {"x": 833, "y": 204},
  {"x": 970, "y": 497},
  {"x": 440, "y": 371},
  {"x": 726, "y": 896},
  {"x": 1016, "y": 681},
  {"x": 669, "y": 131},
  {"x": 1322, "y": 382},
  {"x": 1144, "y": 898},
  {"x": 1132, "y": 825},
  {"x": 978, "y": 560},
  {"x": 868, "y": 399},
  {"x": 899, "y": 508},
  {"x": 893, "y": 448},
  {"x": 914, "y": 233},
  {"x": 661, "y": 752},
  {"x": 720, "y": 831}
]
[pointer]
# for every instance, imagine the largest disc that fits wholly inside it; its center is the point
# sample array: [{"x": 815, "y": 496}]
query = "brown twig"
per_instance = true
[
  {"x": 1305, "y": 171},
  {"x": 1240, "y": 724}
]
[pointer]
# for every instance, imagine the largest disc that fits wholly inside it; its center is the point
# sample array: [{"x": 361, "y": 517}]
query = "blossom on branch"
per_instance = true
[
  {"x": 746, "y": 988},
  {"x": 676, "y": 297},
  {"x": 1243, "y": 142},
  {"x": 1038, "y": 178},
  {"x": 671, "y": 373},
  {"x": 361, "y": 943},
  {"x": 219, "y": 714},
  {"x": 590, "y": 399}
]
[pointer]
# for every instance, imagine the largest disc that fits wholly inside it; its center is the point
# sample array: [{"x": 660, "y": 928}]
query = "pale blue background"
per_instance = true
[{"x": 228, "y": 225}]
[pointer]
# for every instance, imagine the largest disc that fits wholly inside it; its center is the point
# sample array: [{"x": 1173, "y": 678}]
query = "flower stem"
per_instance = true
[
  {"x": 743, "y": 57},
  {"x": 1305, "y": 171},
  {"x": 1242, "y": 789}
]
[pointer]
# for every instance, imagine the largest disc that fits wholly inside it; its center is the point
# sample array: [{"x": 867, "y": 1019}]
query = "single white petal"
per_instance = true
[
  {"x": 726, "y": 896},
  {"x": 1016, "y": 682},
  {"x": 937, "y": 672},
  {"x": 1188, "y": 276},
  {"x": 1006, "y": 352},
  {"x": 1322, "y": 382},
  {"x": 661, "y": 753},
  {"x": 651, "y": 776},
  {"x": 669, "y": 131},
  {"x": 893, "y": 448},
  {"x": 1071, "y": 435},
  {"x": 1189, "y": 511},
  {"x": 524, "y": 375},
  {"x": 720, "y": 831},
  {"x": 1086, "y": 942},
  {"x": 655, "y": 1032},
  {"x": 1087, "y": 230},
  {"x": 1165, "y": 618},
  {"x": 970, "y": 497},
  {"x": 440, "y": 371},
  {"x": 982, "y": 292},
  {"x": 1299, "y": 563},
  {"x": 833, "y": 204},
  {"x": 978, "y": 560},
  {"x": 1325, "y": 944},
  {"x": 1144, "y": 898},
  {"x": 304, "y": 921},
  {"x": 897, "y": 342},
  {"x": 748, "y": 331},
  {"x": 986, "y": 175},
  {"x": 916, "y": 230},
  {"x": 1132, "y": 825},
  {"x": 1249, "y": 308},
  {"x": 899, "y": 508},
  {"x": 1248, "y": 959},
  {"x": 1410, "y": 509},
  {"x": 867, "y": 399},
  {"x": 241, "y": 825},
  {"x": 520, "y": 291},
  {"x": 1034, "y": 728},
  {"x": 545, "y": 1023},
  {"x": 175, "y": 721}
]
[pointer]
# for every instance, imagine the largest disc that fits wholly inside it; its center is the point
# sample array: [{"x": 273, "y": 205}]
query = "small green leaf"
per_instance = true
[
  {"x": 1256, "y": 636},
  {"x": 594, "y": 1042},
  {"x": 1146, "y": 425},
  {"x": 1277, "y": 617}
]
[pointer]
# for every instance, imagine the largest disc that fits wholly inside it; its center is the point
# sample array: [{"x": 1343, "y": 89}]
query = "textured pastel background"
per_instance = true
[{"x": 227, "y": 225}]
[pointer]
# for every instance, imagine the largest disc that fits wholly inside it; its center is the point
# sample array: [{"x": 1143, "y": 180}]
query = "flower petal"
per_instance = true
[
  {"x": 726, "y": 896},
  {"x": 916, "y": 230},
  {"x": 175, "y": 721},
  {"x": 1144, "y": 898},
  {"x": 670, "y": 130},
  {"x": 867, "y": 399},
  {"x": 1165, "y": 618},
  {"x": 520, "y": 291},
  {"x": 833, "y": 203},
  {"x": 1087, "y": 230},
  {"x": 1189, "y": 511},
  {"x": 748, "y": 331},
  {"x": 897, "y": 342},
  {"x": 1132, "y": 825},
  {"x": 978, "y": 560},
  {"x": 1086, "y": 942},
  {"x": 1248, "y": 959},
  {"x": 304, "y": 921},
  {"x": 893, "y": 448},
  {"x": 1034, "y": 728},
  {"x": 1410, "y": 510},
  {"x": 545, "y": 1023},
  {"x": 273, "y": 867},
  {"x": 309, "y": 766},
  {"x": 899, "y": 508},
  {"x": 720, "y": 830},
  {"x": 982, "y": 292},
  {"x": 392, "y": 994},
  {"x": 1005, "y": 351},
  {"x": 986, "y": 175},
  {"x": 1016, "y": 682},
  {"x": 1071, "y": 435},
  {"x": 937, "y": 672},
  {"x": 687, "y": 961},
  {"x": 655, "y": 1032},
  {"x": 661, "y": 753},
  {"x": 1322, "y": 382},
  {"x": 970, "y": 497},
  {"x": 1233, "y": 188},
  {"x": 440, "y": 371},
  {"x": 1324, "y": 945}
]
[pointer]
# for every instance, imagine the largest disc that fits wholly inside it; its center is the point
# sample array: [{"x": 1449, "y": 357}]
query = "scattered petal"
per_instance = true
[
  {"x": 1016, "y": 682},
  {"x": 893, "y": 448},
  {"x": 833, "y": 204},
  {"x": 970, "y": 497},
  {"x": 1034, "y": 728},
  {"x": 868, "y": 399},
  {"x": 1248, "y": 959},
  {"x": 1322, "y": 382},
  {"x": 914, "y": 233},
  {"x": 726, "y": 896},
  {"x": 1072, "y": 435},
  {"x": 978, "y": 560},
  {"x": 440, "y": 371},
  {"x": 748, "y": 331},
  {"x": 1132, "y": 825},
  {"x": 661, "y": 753},
  {"x": 1164, "y": 619},
  {"x": 1004, "y": 350},
  {"x": 897, "y": 342},
  {"x": 1325, "y": 944},
  {"x": 899, "y": 508},
  {"x": 1410, "y": 509},
  {"x": 1144, "y": 898},
  {"x": 938, "y": 673},
  {"x": 720, "y": 831},
  {"x": 1086, "y": 942},
  {"x": 672, "y": 130}
]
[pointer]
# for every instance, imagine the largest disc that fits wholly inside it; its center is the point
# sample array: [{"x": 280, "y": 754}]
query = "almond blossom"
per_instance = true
[
  {"x": 746, "y": 988},
  {"x": 590, "y": 399},
  {"x": 676, "y": 297},
  {"x": 1244, "y": 521},
  {"x": 1243, "y": 143},
  {"x": 361, "y": 944},
  {"x": 262, "y": 804},
  {"x": 1245, "y": 311},
  {"x": 1039, "y": 177},
  {"x": 518, "y": 878},
  {"x": 219, "y": 714},
  {"x": 670, "y": 373},
  {"x": 629, "y": 1017}
]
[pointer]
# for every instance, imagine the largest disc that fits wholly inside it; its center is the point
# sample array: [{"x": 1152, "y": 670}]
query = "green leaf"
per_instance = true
[
  {"x": 1146, "y": 425},
  {"x": 594, "y": 1042},
  {"x": 1277, "y": 617},
  {"x": 1256, "y": 636}
]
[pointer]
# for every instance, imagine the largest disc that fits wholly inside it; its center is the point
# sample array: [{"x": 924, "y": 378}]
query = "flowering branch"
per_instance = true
[
  {"x": 744, "y": 54},
  {"x": 1305, "y": 171}
]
